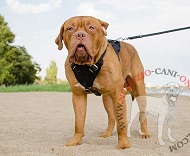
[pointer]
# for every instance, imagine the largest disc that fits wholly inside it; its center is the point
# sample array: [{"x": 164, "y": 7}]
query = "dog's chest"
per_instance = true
[
  {"x": 78, "y": 85},
  {"x": 96, "y": 86},
  {"x": 170, "y": 109}
]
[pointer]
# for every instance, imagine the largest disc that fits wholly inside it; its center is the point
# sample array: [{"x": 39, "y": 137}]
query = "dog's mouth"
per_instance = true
[
  {"x": 80, "y": 47},
  {"x": 172, "y": 97},
  {"x": 81, "y": 55}
]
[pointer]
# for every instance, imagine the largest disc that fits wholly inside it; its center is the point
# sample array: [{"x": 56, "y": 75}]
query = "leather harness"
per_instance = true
[{"x": 86, "y": 74}]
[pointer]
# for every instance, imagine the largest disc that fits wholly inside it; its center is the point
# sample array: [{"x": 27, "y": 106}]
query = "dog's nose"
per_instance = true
[{"x": 80, "y": 34}]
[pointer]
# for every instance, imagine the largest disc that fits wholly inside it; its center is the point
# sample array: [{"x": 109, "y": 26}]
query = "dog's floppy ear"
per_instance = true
[
  {"x": 104, "y": 26},
  {"x": 59, "y": 39},
  {"x": 180, "y": 88},
  {"x": 165, "y": 86}
]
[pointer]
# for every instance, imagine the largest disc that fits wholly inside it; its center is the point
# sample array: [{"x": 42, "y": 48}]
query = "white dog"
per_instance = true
[{"x": 162, "y": 107}]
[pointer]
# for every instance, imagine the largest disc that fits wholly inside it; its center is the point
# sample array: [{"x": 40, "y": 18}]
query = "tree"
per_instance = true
[
  {"x": 6, "y": 36},
  {"x": 16, "y": 66},
  {"x": 51, "y": 72}
]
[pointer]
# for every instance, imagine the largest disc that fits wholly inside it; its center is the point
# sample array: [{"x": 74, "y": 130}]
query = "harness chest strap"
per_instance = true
[{"x": 86, "y": 74}]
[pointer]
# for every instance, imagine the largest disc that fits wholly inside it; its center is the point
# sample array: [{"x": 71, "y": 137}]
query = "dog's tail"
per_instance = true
[{"x": 129, "y": 84}]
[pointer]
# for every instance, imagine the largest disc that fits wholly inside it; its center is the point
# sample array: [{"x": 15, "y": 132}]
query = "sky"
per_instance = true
[{"x": 36, "y": 24}]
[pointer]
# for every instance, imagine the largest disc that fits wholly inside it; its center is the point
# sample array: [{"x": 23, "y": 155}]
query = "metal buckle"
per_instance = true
[
  {"x": 73, "y": 66},
  {"x": 93, "y": 68}
]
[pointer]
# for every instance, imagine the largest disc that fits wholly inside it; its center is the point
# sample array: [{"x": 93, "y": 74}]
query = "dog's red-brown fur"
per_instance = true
[{"x": 84, "y": 37}]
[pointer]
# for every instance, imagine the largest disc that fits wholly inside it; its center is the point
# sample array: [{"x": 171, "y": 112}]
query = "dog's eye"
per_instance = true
[
  {"x": 70, "y": 29},
  {"x": 91, "y": 27}
]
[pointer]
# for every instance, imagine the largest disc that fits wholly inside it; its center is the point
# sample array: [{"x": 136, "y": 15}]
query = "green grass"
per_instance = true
[{"x": 62, "y": 87}]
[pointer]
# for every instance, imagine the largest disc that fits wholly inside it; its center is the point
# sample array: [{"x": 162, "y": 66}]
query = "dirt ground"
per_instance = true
[{"x": 39, "y": 124}]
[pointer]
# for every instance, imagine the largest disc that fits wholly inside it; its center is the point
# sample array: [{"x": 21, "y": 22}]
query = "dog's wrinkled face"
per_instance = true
[
  {"x": 83, "y": 37},
  {"x": 172, "y": 90}
]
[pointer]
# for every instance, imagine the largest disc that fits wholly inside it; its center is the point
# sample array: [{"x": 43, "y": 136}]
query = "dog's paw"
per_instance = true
[
  {"x": 172, "y": 139},
  {"x": 73, "y": 143},
  {"x": 123, "y": 143},
  {"x": 145, "y": 135},
  {"x": 124, "y": 146},
  {"x": 76, "y": 140},
  {"x": 105, "y": 134},
  {"x": 162, "y": 143}
]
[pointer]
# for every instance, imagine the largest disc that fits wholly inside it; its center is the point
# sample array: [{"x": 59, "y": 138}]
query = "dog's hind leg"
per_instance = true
[
  {"x": 108, "y": 105},
  {"x": 133, "y": 114},
  {"x": 138, "y": 89},
  {"x": 161, "y": 120},
  {"x": 128, "y": 86},
  {"x": 141, "y": 100}
]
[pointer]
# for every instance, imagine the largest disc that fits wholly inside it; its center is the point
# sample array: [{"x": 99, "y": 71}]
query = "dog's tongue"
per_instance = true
[
  {"x": 81, "y": 55},
  {"x": 173, "y": 98},
  {"x": 80, "y": 48}
]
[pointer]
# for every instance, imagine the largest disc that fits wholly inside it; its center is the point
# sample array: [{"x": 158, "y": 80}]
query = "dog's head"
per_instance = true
[
  {"x": 172, "y": 90},
  {"x": 84, "y": 38}
]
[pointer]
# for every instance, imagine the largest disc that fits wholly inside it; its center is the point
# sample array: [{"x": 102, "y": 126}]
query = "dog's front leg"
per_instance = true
[
  {"x": 121, "y": 118},
  {"x": 161, "y": 120},
  {"x": 170, "y": 133},
  {"x": 79, "y": 105}
]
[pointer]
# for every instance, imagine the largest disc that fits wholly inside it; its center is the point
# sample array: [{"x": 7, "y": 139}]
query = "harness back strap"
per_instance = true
[{"x": 116, "y": 46}]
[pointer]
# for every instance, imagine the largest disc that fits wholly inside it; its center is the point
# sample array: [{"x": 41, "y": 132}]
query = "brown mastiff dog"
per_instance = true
[{"x": 84, "y": 37}]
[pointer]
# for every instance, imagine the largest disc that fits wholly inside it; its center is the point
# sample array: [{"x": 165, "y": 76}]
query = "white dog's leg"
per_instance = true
[
  {"x": 170, "y": 135},
  {"x": 161, "y": 120},
  {"x": 134, "y": 112},
  {"x": 139, "y": 128}
]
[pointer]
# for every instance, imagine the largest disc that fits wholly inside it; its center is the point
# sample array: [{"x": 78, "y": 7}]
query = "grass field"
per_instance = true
[{"x": 62, "y": 87}]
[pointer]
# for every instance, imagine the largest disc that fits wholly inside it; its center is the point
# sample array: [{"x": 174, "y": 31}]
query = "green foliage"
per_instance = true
[
  {"x": 6, "y": 36},
  {"x": 51, "y": 73},
  {"x": 16, "y": 66},
  {"x": 62, "y": 87}
]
